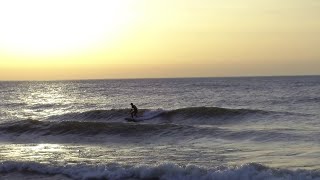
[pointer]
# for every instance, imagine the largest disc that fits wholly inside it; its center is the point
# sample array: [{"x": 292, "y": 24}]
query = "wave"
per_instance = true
[
  {"x": 163, "y": 171},
  {"x": 93, "y": 115},
  {"x": 83, "y": 128},
  {"x": 308, "y": 100},
  {"x": 209, "y": 113},
  {"x": 193, "y": 113},
  {"x": 13, "y": 105},
  {"x": 45, "y": 106},
  {"x": 99, "y": 131}
]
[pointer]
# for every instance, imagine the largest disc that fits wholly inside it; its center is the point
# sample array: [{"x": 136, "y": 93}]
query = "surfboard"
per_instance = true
[
  {"x": 145, "y": 116},
  {"x": 131, "y": 120}
]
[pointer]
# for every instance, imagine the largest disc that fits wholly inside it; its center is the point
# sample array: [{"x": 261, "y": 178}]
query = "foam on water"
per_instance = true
[{"x": 162, "y": 171}]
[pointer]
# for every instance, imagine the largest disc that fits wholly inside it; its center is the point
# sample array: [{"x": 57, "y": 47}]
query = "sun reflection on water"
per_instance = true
[{"x": 45, "y": 100}]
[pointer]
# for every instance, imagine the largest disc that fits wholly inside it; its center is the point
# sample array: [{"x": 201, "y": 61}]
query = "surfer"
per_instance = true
[{"x": 134, "y": 110}]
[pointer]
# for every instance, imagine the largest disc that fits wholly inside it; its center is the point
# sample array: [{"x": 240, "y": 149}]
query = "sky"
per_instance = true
[{"x": 106, "y": 39}]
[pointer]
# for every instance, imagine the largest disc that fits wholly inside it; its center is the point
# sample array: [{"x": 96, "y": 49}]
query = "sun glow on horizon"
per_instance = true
[
  {"x": 38, "y": 27},
  {"x": 80, "y": 39}
]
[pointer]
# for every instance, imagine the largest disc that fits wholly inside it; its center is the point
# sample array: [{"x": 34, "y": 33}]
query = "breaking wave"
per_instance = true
[
  {"x": 183, "y": 124},
  {"x": 195, "y": 113},
  {"x": 162, "y": 171},
  {"x": 83, "y": 128}
]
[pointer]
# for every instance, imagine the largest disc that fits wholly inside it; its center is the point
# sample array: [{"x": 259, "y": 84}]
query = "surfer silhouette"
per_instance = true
[{"x": 134, "y": 110}]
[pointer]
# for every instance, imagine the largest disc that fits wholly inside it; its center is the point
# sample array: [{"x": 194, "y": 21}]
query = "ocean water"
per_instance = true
[{"x": 192, "y": 128}]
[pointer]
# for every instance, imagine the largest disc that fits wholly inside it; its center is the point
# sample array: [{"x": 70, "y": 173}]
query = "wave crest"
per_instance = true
[
  {"x": 84, "y": 128},
  {"x": 163, "y": 171},
  {"x": 146, "y": 114}
]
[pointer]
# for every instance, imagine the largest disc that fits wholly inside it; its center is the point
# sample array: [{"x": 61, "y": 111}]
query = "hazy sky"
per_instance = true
[{"x": 80, "y": 39}]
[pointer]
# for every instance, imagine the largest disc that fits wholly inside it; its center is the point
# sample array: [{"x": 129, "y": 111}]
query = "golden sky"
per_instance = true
[{"x": 97, "y": 39}]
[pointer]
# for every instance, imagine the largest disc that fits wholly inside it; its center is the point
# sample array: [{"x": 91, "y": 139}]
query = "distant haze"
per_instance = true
[{"x": 78, "y": 39}]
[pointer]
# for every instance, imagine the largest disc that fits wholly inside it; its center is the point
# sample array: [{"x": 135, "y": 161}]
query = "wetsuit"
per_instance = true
[{"x": 135, "y": 111}]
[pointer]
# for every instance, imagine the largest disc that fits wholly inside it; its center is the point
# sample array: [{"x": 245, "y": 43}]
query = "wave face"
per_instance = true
[
  {"x": 190, "y": 113},
  {"x": 83, "y": 128},
  {"x": 164, "y": 131},
  {"x": 163, "y": 171},
  {"x": 185, "y": 124}
]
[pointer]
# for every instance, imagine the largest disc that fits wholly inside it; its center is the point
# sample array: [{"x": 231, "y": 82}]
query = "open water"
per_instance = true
[{"x": 192, "y": 128}]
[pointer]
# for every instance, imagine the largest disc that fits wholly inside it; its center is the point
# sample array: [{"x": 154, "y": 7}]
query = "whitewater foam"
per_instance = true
[{"x": 163, "y": 171}]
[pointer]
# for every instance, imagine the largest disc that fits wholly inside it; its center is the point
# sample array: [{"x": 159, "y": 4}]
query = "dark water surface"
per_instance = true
[{"x": 196, "y": 128}]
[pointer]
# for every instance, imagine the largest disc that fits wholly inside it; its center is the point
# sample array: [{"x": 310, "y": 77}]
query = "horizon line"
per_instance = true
[{"x": 190, "y": 77}]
